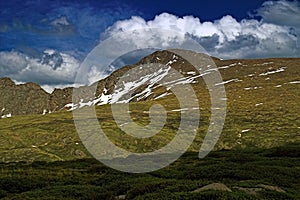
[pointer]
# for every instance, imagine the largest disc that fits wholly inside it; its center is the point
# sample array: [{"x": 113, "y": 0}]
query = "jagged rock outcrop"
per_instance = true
[{"x": 22, "y": 99}]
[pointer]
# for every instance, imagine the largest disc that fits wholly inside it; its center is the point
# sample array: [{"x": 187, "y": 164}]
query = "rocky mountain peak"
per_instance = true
[{"x": 6, "y": 82}]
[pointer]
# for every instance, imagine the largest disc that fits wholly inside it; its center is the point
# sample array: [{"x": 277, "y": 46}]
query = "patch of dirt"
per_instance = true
[
  {"x": 252, "y": 191},
  {"x": 214, "y": 186},
  {"x": 270, "y": 187}
]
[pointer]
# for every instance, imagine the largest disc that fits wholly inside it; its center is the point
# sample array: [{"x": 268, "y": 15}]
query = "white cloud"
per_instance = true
[
  {"x": 224, "y": 38},
  {"x": 286, "y": 13},
  {"x": 95, "y": 74},
  {"x": 52, "y": 70},
  {"x": 58, "y": 68},
  {"x": 50, "y": 88},
  {"x": 62, "y": 21},
  {"x": 282, "y": 13}
]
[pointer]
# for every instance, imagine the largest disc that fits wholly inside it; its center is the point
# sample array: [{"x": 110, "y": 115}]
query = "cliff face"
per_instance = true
[{"x": 22, "y": 99}]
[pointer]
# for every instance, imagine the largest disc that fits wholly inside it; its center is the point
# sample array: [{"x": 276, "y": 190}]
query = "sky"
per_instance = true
[{"x": 45, "y": 41}]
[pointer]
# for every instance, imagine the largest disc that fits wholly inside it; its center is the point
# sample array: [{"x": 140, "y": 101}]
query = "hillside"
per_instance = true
[
  {"x": 256, "y": 156},
  {"x": 242, "y": 78},
  {"x": 262, "y": 102}
]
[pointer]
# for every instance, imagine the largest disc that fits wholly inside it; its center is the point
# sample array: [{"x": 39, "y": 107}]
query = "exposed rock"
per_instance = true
[
  {"x": 121, "y": 197},
  {"x": 270, "y": 187},
  {"x": 22, "y": 99},
  {"x": 252, "y": 191},
  {"x": 79, "y": 153},
  {"x": 214, "y": 186},
  {"x": 6, "y": 82},
  {"x": 59, "y": 98}
]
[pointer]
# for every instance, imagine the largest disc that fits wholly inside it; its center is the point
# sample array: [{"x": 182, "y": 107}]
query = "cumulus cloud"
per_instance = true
[
  {"x": 52, "y": 68},
  {"x": 95, "y": 74},
  {"x": 225, "y": 37},
  {"x": 42, "y": 70},
  {"x": 50, "y": 88},
  {"x": 286, "y": 13},
  {"x": 283, "y": 13}
]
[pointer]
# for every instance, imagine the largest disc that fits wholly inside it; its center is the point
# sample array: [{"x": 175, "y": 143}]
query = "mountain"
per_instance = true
[
  {"x": 22, "y": 99},
  {"x": 30, "y": 98},
  {"x": 262, "y": 107}
]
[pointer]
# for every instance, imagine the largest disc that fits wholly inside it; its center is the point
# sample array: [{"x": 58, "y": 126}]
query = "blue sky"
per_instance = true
[
  {"x": 30, "y": 31},
  {"x": 29, "y": 26}
]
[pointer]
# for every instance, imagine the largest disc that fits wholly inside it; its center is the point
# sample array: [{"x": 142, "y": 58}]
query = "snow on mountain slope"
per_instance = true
[
  {"x": 142, "y": 81},
  {"x": 245, "y": 80}
]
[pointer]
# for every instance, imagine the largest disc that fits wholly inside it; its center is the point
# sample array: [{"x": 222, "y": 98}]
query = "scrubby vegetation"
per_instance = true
[{"x": 89, "y": 179}]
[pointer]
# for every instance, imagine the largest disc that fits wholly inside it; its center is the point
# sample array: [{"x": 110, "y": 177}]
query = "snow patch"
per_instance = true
[
  {"x": 124, "y": 124},
  {"x": 254, "y": 88},
  {"x": 261, "y": 64},
  {"x": 273, "y": 72},
  {"x": 191, "y": 73},
  {"x": 105, "y": 90},
  {"x": 294, "y": 82},
  {"x": 178, "y": 110},
  {"x": 162, "y": 95},
  {"x": 245, "y": 130},
  {"x": 228, "y": 81},
  {"x": 130, "y": 86},
  {"x": 44, "y": 111},
  {"x": 224, "y": 67},
  {"x": 171, "y": 62},
  {"x": 104, "y": 99},
  {"x": 6, "y": 116}
]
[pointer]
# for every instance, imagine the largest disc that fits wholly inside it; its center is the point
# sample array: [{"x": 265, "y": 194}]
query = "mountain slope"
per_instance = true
[
  {"x": 251, "y": 74},
  {"x": 262, "y": 109}
]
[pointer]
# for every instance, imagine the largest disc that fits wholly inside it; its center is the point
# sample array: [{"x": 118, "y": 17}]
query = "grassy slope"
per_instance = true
[{"x": 274, "y": 123}]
